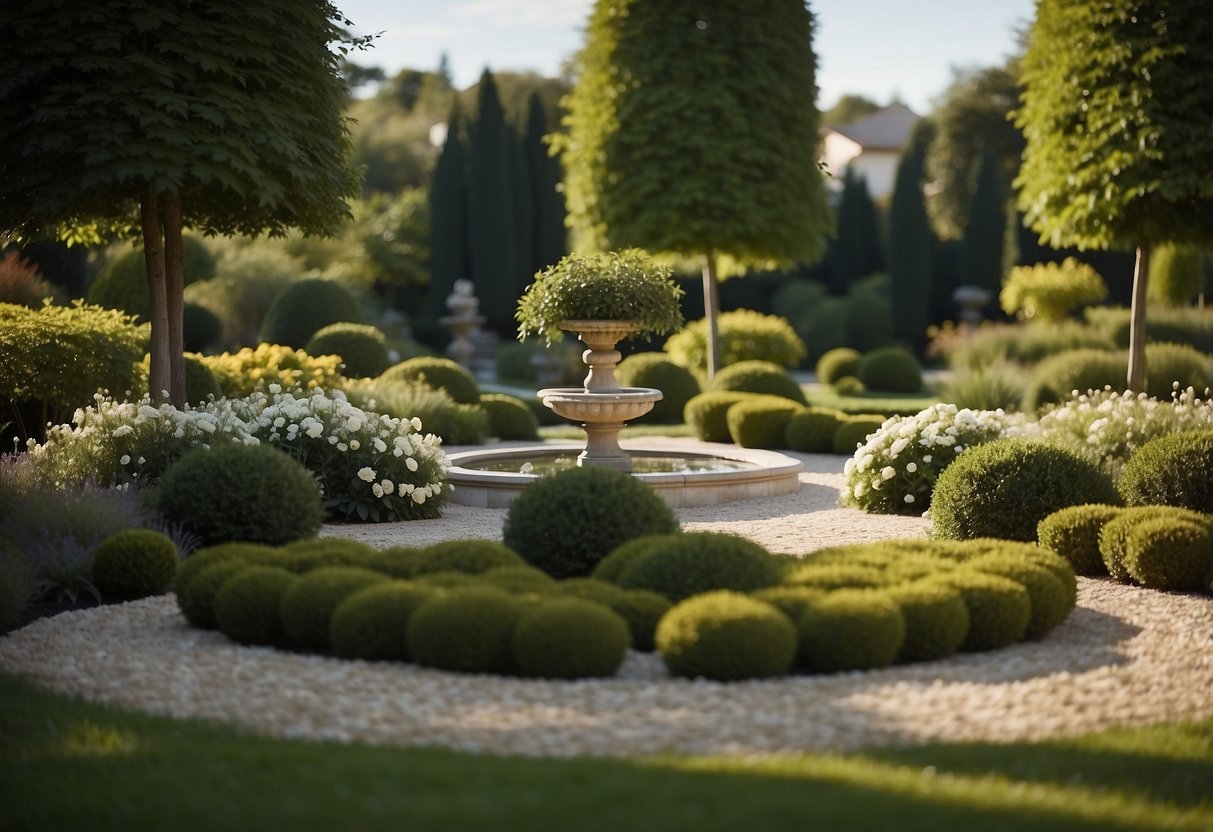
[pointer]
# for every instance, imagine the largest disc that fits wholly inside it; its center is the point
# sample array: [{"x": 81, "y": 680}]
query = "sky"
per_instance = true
[{"x": 876, "y": 48}]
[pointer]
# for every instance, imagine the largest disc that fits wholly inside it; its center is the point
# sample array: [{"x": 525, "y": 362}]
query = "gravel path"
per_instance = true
[{"x": 1125, "y": 656}]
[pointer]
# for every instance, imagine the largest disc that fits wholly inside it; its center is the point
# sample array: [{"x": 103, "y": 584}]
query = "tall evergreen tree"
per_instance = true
[
  {"x": 523, "y": 215},
  {"x": 1118, "y": 117},
  {"x": 548, "y": 238},
  {"x": 845, "y": 255},
  {"x": 910, "y": 243},
  {"x": 693, "y": 131},
  {"x": 491, "y": 230},
  {"x": 449, "y": 256},
  {"x": 871, "y": 240},
  {"x": 986, "y": 229}
]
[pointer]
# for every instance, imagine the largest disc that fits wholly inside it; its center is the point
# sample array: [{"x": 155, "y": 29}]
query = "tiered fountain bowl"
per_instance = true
[{"x": 682, "y": 472}]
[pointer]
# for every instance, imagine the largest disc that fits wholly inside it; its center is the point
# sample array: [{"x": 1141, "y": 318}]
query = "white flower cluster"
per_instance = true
[
  {"x": 1108, "y": 427},
  {"x": 894, "y": 472}
]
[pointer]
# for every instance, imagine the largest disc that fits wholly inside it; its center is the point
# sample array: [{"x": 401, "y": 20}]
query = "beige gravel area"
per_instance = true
[{"x": 1125, "y": 656}]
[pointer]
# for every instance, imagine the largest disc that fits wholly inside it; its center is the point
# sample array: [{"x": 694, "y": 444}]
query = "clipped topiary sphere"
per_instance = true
[
  {"x": 569, "y": 638},
  {"x": 307, "y": 608},
  {"x": 681, "y": 565},
  {"x": 1047, "y": 595},
  {"x": 851, "y": 629},
  {"x": 303, "y": 556},
  {"x": 791, "y": 600},
  {"x": 371, "y": 623},
  {"x": 448, "y": 580},
  {"x": 836, "y": 364},
  {"x": 610, "y": 567},
  {"x": 1114, "y": 536},
  {"x": 470, "y": 557},
  {"x": 305, "y": 307},
  {"x": 854, "y": 431},
  {"x": 439, "y": 373},
  {"x": 654, "y": 369},
  {"x": 707, "y": 414},
  {"x": 1057, "y": 566},
  {"x": 509, "y": 417},
  {"x": 760, "y": 422},
  {"x": 828, "y": 576},
  {"x": 395, "y": 561},
  {"x": 518, "y": 579},
  {"x": 362, "y": 348},
  {"x": 1073, "y": 533},
  {"x": 726, "y": 636},
  {"x": 890, "y": 370},
  {"x": 643, "y": 611},
  {"x": 811, "y": 431},
  {"x": 937, "y": 620},
  {"x": 1173, "y": 470},
  {"x": 246, "y": 605},
  {"x": 763, "y": 377},
  {"x": 1165, "y": 554},
  {"x": 849, "y": 386},
  {"x": 469, "y": 629},
  {"x": 566, "y": 523},
  {"x": 253, "y": 493},
  {"x": 589, "y": 589},
  {"x": 247, "y": 554},
  {"x": 134, "y": 564},
  {"x": 1006, "y": 487},
  {"x": 197, "y": 603},
  {"x": 999, "y": 608}
]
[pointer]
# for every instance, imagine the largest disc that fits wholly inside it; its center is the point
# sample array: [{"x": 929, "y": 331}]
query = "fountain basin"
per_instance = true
[
  {"x": 579, "y": 405},
  {"x": 716, "y": 474}
]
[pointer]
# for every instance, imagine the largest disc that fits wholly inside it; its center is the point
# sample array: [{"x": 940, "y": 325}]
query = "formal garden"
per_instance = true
[{"x": 238, "y": 584}]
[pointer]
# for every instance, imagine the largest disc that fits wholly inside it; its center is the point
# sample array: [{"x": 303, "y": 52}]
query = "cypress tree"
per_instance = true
[
  {"x": 870, "y": 239},
  {"x": 985, "y": 231},
  {"x": 548, "y": 239},
  {"x": 845, "y": 254},
  {"x": 519, "y": 183},
  {"x": 449, "y": 260},
  {"x": 491, "y": 231},
  {"x": 910, "y": 244}
]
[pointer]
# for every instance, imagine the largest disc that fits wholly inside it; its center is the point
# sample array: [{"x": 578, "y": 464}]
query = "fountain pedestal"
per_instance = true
[{"x": 601, "y": 406}]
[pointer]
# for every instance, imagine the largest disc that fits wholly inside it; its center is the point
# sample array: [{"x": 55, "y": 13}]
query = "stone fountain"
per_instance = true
[{"x": 601, "y": 406}]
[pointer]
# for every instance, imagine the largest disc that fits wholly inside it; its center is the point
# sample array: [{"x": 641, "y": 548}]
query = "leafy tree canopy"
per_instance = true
[{"x": 849, "y": 108}]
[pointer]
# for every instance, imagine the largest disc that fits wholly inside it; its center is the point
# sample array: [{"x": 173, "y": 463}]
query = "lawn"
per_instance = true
[{"x": 73, "y": 765}]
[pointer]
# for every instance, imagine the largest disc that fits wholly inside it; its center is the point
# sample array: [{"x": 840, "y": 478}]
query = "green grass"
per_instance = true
[
  {"x": 890, "y": 404},
  {"x": 71, "y": 765}
]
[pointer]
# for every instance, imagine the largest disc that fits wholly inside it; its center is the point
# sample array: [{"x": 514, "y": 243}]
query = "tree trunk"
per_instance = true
[
  {"x": 1137, "y": 320},
  {"x": 711, "y": 304},
  {"x": 159, "y": 380},
  {"x": 174, "y": 281}
]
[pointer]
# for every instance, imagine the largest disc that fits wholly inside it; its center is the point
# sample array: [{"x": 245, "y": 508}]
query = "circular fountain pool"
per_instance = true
[{"x": 682, "y": 472}]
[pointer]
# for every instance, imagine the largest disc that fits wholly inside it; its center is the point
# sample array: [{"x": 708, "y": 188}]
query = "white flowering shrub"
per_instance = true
[
  {"x": 895, "y": 471},
  {"x": 371, "y": 467},
  {"x": 1108, "y": 427}
]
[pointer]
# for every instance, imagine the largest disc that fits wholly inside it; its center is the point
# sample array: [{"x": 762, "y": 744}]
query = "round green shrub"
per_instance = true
[
  {"x": 1169, "y": 555},
  {"x": 824, "y": 327},
  {"x": 315, "y": 552},
  {"x": 999, "y": 608},
  {"x": 761, "y": 422},
  {"x": 518, "y": 579},
  {"x": 1006, "y": 487},
  {"x": 247, "y": 554},
  {"x": 1073, "y": 533},
  {"x": 1170, "y": 364},
  {"x": 123, "y": 282},
  {"x": 395, "y": 561},
  {"x": 851, "y": 629},
  {"x": 791, "y": 600},
  {"x": 1114, "y": 536},
  {"x": 811, "y": 431},
  {"x": 1057, "y": 566},
  {"x": 677, "y": 384},
  {"x": 854, "y": 431},
  {"x": 610, "y": 567},
  {"x": 763, "y": 377},
  {"x": 246, "y": 605},
  {"x": 1094, "y": 369},
  {"x": 253, "y": 493},
  {"x": 1049, "y": 602},
  {"x": 371, "y": 622},
  {"x": 707, "y": 414},
  {"x": 305, "y": 307},
  {"x": 837, "y": 363},
  {"x": 726, "y": 636},
  {"x": 589, "y": 589},
  {"x": 448, "y": 580},
  {"x": 468, "y": 629},
  {"x": 890, "y": 370},
  {"x": 828, "y": 576},
  {"x": 742, "y": 335},
  {"x": 509, "y": 417},
  {"x": 438, "y": 373},
  {"x": 134, "y": 564},
  {"x": 569, "y": 638},
  {"x": 307, "y": 609},
  {"x": 643, "y": 611},
  {"x": 797, "y": 297},
  {"x": 1172, "y": 470},
  {"x": 201, "y": 328},
  {"x": 200, "y": 383},
  {"x": 849, "y": 386},
  {"x": 362, "y": 347},
  {"x": 869, "y": 323},
  {"x": 197, "y": 603},
  {"x": 936, "y": 617},
  {"x": 681, "y": 565},
  {"x": 468, "y": 556},
  {"x": 566, "y": 523}
]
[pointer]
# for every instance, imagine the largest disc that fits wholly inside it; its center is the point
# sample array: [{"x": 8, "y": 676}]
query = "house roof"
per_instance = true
[{"x": 886, "y": 129}]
